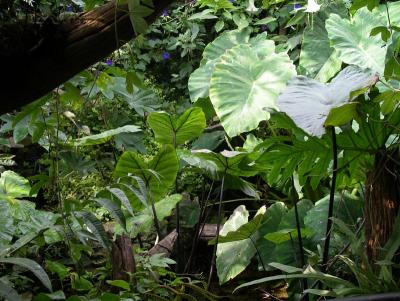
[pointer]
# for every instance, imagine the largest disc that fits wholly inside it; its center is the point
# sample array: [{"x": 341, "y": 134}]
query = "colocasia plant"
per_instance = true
[{"x": 231, "y": 145}]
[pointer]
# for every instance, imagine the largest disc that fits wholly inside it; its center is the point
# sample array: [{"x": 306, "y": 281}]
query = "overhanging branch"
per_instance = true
[{"x": 71, "y": 47}]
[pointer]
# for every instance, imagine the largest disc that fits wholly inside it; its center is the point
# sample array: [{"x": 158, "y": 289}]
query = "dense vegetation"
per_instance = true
[{"x": 233, "y": 149}]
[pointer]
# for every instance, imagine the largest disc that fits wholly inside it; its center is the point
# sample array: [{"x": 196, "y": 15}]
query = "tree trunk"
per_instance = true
[
  {"x": 123, "y": 261},
  {"x": 34, "y": 63},
  {"x": 382, "y": 198}
]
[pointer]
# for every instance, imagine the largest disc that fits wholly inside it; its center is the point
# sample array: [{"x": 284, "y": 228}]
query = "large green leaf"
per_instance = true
[
  {"x": 309, "y": 273},
  {"x": 346, "y": 207},
  {"x": 223, "y": 42},
  {"x": 164, "y": 207},
  {"x": 234, "y": 257},
  {"x": 19, "y": 219},
  {"x": 158, "y": 174},
  {"x": 130, "y": 141},
  {"x": 273, "y": 218},
  {"x": 283, "y": 156},
  {"x": 142, "y": 101},
  {"x": 95, "y": 227},
  {"x": 353, "y": 43},
  {"x": 142, "y": 222},
  {"x": 317, "y": 57},
  {"x": 105, "y": 136},
  {"x": 7, "y": 228},
  {"x": 209, "y": 140},
  {"x": 218, "y": 164},
  {"x": 285, "y": 235},
  {"x": 237, "y": 183},
  {"x": 288, "y": 251},
  {"x": 245, "y": 231},
  {"x": 137, "y": 15},
  {"x": 32, "y": 266},
  {"x": 341, "y": 115},
  {"x": 13, "y": 186},
  {"x": 308, "y": 102},
  {"x": 122, "y": 197},
  {"x": 199, "y": 81},
  {"x": 169, "y": 130},
  {"x": 243, "y": 87},
  {"x": 19, "y": 243},
  {"x": 114, "y": 208}
]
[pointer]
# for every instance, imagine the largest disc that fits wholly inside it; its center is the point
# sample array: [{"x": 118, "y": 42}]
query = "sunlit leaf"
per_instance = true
[
  {"x": 243, "y": 86},
  {"x": 308, "y": 102},
  {"x": 105, "y": 136}
]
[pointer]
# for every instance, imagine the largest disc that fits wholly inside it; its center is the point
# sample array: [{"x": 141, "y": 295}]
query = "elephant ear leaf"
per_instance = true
[
  {"x": 166, "y": 165},
  {"x": 169, "y": 130},
  {"x": 13, "y": 186},
  {"x": 158, "y": 175},
  {"x": 199, "y": 81},
  {"x": 353, "y": 42},
  {"x": 244, "y": 86},
  {"x": 318, "y": 59},
  {"x": 233, "y": 257},
  {"x": 226, "y": 41},
  {"x": 318, "y": 99}
]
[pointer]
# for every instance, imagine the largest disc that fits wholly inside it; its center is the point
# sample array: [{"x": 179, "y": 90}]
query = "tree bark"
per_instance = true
[
  {"x": 123, "y": 261},
  {"x": 35, "y": 67},
  {"x": 382, "y": 199}
]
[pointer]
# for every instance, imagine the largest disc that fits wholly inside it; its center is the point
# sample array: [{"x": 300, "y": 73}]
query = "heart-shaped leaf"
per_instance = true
[
  {"x": 352, "y": 40},
  {"x": 199, "y": 81},
  {"x": 317, "y": 57},
  {"x": 225, "y": 41},
  {"x": 243, "y": 85},
  {"x": 169, "y": 130},
  {"x": 308, "y": 102},
  {"x": 159, "y": 174},
  {"x": 218, "y": 164}
]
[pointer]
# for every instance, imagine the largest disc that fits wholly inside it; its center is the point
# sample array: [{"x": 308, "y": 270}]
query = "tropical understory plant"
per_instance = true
[{"x": 255, "y": 143}]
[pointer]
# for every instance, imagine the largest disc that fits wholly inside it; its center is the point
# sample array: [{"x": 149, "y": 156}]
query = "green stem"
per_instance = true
[
  {"x": 153, "y": 208},
  {"x": 331, "y": 202},
  {"x": 217, "y": 234},
  {"x": 299, "y": 237},
  {"x": 258, "y": 253},
  {"x": 271, "y": 129}
]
